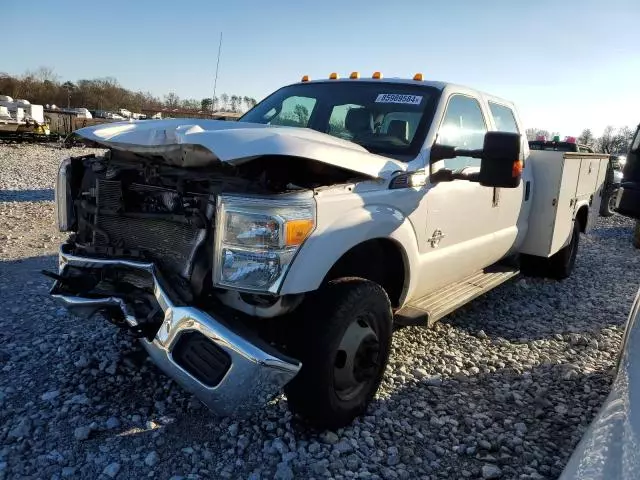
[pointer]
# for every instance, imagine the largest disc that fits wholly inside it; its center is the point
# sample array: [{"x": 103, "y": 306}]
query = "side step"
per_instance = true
[{"x": 429, "y": 309}]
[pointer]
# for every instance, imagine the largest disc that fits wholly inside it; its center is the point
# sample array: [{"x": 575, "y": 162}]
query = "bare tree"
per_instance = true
[
  {"x": 70, "y": 87},
  {"x": 534, "y": 133},
  {"x": 606, "y": 140},
  {"x": 586, "y": 137},
  {"x": 171, "y": 100},
  {"x": 224, "y": 101},
  {"x": 235, "y": 103}
]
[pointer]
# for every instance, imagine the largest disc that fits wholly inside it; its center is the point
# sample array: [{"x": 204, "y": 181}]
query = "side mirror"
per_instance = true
[
  {"x": 628, "y": 200},
  {"x": 500, "y": 163}
]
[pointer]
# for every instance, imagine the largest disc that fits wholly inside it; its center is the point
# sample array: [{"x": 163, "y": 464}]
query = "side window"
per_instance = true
[
  {"x": 295, "y": 112},
  {"x": 463, "y": 126},
  {"x": 504, "y": 118}
]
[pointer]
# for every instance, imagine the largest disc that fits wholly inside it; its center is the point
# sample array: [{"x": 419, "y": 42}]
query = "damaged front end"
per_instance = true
[
  {"x": 161, "y": 234},
  {"x": 230, "y": 373}
]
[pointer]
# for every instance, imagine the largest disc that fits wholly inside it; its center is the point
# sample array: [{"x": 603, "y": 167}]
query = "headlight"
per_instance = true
[
  {"x": 256, "y": 240},
  {"x": 64, "y": 200}
]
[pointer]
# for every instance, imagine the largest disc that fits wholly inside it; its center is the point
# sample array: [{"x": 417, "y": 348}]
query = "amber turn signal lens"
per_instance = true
[
  {"x": 296, "y": 231},
  {"x": 516, "y": 171}
]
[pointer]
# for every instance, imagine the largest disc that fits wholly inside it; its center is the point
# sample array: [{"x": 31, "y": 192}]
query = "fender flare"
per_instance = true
[{"x": 327, "y": 245}]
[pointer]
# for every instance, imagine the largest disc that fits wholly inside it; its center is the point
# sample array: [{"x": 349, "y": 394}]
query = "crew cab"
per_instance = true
[{"x": 277, "y": 252}]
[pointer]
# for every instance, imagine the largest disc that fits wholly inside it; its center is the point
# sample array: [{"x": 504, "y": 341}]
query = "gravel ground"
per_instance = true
[{"x": 503, "y": 388}]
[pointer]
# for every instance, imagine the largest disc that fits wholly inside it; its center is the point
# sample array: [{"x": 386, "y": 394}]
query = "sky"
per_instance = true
[{"x": 567, "y": 64}]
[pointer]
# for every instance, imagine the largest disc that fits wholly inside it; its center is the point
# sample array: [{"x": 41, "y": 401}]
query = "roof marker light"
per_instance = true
[
  {"x": 377, "y": 75},
  {"x": 305, "y": 78},
  {"x": 418, "y": 77},
  {"x": 334, "y": 76},
  {"x": 354, "y": 75}
]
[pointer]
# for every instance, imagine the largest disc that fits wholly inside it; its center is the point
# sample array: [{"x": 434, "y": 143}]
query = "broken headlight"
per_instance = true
[{"x": 256, "y": 240}]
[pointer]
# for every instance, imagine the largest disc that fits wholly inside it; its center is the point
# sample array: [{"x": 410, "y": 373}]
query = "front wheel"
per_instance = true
[{"x": 342, "y": 337}]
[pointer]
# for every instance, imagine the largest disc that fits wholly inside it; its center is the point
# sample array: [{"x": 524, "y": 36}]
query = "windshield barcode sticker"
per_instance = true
[{"x": 397, "y": 98}]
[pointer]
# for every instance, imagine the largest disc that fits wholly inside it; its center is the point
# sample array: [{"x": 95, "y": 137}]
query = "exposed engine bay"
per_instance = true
[{"x": 130, "y": 206}]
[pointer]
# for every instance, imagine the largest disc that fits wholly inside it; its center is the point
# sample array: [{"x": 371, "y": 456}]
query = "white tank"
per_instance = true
[
  {"x": 4, "y": 113},
  {"x": 5, "y": 98},
  {"x": 21, "y": 101}
]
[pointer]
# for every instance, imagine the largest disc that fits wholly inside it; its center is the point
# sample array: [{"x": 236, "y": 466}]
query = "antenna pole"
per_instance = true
[{"x": 215, "y": 82}]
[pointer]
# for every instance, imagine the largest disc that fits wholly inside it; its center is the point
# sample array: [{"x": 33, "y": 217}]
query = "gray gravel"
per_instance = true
[{"x": 503, "y": 388}]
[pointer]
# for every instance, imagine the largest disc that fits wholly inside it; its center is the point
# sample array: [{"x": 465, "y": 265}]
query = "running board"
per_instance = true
[{"x": 429, "y": 309}]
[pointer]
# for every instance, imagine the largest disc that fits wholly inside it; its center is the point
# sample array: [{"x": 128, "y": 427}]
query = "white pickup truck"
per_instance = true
[{"x": 278, "y": 251}]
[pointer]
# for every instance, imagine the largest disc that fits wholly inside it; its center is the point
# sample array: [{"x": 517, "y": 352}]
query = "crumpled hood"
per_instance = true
[{"x": 190, "y": 142}]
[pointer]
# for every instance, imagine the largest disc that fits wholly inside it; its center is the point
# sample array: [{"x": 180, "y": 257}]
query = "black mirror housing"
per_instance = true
[
  {"x": 628, "y": 201},
  {"x": 501, "y": 164}
]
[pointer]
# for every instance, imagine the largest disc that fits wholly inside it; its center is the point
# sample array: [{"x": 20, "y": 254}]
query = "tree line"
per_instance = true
[
  {"x": 612, "y": 140},
  {"x": 44, "y": 87}
]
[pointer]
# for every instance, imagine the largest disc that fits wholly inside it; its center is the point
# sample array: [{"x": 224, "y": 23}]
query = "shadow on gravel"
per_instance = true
[
  {"x": 613, "y": 232},
  {"x": 27, "y": 266},
  {"x": 523, "y": 422},
  {"x": 598, "y": 295},
  {"x": 516, "y": 420},
  {"x": 42, "y": 195}
]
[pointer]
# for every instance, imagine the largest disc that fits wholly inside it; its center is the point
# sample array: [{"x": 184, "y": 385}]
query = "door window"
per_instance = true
[
  {"x": 503, "y": 117},
  {"x": 464, "y": 127}
]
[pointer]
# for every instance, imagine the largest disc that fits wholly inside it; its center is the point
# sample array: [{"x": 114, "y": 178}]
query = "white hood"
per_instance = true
[{"x": 194, "y": 142}]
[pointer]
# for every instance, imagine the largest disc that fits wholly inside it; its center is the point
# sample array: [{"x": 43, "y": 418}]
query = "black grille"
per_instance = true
[
  {"x": 201, "y": 358},
  {"x": 169, "y": 244}
]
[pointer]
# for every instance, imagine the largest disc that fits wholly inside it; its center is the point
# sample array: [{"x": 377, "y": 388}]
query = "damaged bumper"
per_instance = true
[{"x": 227, "y": 372}]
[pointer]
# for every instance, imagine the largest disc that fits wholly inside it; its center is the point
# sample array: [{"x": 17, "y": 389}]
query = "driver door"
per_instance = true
[{"x": 462, "y": 218}]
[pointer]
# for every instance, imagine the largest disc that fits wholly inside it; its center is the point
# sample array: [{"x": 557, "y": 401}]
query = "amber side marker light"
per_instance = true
[
  {"x": 334, "y": 76},
  {"x": 377, "y": 75},
  {"x": 296, "y": 231},
  {"x": 305, "y": 78},
  {"x": 354, "y": 75},
  {"x": 418, "y": 77},
  {"x": 516, "y": 171}
]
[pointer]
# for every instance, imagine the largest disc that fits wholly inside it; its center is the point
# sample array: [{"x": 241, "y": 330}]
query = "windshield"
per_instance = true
[{"x": 385, "y": 118}]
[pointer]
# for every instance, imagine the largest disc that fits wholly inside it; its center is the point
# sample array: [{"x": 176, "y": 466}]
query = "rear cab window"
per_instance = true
[{"x": 503, "y": 118}]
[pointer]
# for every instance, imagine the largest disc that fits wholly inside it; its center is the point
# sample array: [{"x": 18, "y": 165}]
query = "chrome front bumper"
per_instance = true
[{"x": 256, "y": 374}]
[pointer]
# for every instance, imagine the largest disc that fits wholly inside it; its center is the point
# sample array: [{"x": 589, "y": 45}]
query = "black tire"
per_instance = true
[
  {"x": 318, "y": 336},
  {"x": 559, "y": 266},
  {"x": 608, "y": 203}
]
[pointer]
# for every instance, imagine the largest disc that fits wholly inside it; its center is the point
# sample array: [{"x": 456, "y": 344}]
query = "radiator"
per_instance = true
[{"x": 169, "y": 244}]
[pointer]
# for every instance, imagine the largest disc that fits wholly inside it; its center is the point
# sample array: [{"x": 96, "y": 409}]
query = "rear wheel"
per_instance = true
[
  {"x": 343, "y": 338},
  {"x": 558, "y": 266},
  {"x": 609, "y": 203}
]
